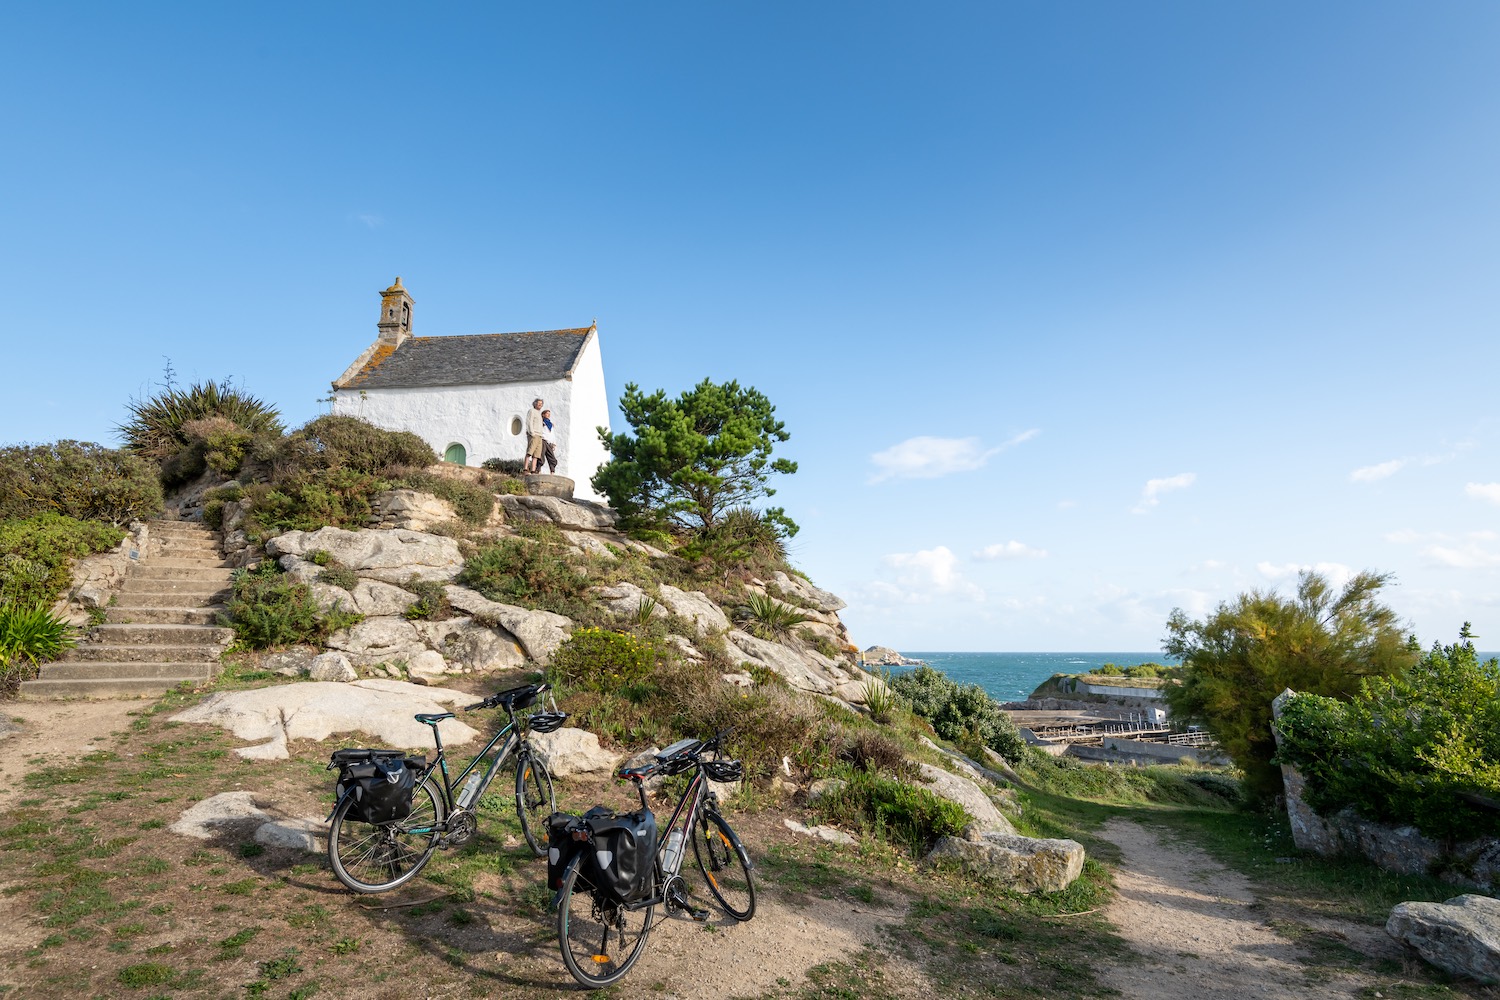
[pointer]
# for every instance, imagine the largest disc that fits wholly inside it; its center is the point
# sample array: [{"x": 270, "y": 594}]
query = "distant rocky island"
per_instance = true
[{"x": 885, "y": 656}]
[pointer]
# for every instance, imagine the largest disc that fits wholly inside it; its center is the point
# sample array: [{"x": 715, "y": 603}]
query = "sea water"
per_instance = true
[{"x": 1013, "y": 676}]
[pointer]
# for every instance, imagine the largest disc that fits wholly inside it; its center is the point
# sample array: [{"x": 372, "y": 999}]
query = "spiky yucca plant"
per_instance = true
[
  {"x": 155, "y": 428},
  {"x": 29, "y": 635},
  {"x": 768, "y": 618}
]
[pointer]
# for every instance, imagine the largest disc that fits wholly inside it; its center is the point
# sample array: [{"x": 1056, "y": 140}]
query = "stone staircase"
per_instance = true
[{"x": 160, "y": 631}]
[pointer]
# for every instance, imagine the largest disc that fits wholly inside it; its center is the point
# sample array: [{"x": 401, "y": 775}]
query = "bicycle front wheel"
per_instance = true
[
  {"x": 534, "y": 802},
  {"x": 376, "y": 857},
  {"x": 600, "y": 938},
  {"x": 724, "y": 864}
]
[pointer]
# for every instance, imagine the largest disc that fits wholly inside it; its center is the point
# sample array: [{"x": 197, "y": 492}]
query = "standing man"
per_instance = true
[{"x": 534, "y": 440}]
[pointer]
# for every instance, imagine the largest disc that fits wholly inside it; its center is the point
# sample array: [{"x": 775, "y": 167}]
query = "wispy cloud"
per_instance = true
[
  {"x": 1489, "y": 492},
  {"x": 933, "y": 457},
  {"x": 1154, "y": 488},
  {"x": 1469, "y": 556},
  {"x": 368, "y": 219},
  {"x": 1010, "y": 550},
  {"x": 1374, "y": 473},
  {"x": 930, "y": 573}
]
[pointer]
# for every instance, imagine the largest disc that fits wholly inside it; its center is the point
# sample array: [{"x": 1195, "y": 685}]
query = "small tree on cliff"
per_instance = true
[
  {"x": 688, "y": 461},
  {"x": 1247, "y": 652}
]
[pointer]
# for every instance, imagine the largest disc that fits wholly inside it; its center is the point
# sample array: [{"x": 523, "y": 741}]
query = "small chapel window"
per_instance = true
[{"x": 515, "y": 426}]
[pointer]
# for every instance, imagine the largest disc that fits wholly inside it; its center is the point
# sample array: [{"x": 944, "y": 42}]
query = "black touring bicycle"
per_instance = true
[{"x": 392, "y": 811}]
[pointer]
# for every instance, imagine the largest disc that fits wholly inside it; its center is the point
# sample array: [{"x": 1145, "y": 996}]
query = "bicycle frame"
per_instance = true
[
  {"x": 693, "y": 801},
  {"x": 512, "y": 737}
]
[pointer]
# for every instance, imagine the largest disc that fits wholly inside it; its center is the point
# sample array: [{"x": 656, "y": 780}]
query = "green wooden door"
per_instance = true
[{"x": 456, "y": 455}]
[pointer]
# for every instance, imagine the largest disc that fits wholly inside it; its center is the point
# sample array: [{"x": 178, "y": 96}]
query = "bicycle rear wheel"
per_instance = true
[
  {"x": 724, "y": 863},
  {"x": 600, "y": 939},
  {"x": 376, "y": 857},
  {"x": 534, "y": 802}
]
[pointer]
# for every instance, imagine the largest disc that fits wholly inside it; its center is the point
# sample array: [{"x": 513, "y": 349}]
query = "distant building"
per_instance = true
[{"x": 467, "y": 396}]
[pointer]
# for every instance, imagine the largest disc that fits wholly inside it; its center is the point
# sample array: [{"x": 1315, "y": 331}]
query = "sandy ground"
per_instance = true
[
  {"x": 53, "y": 732},
  {"x": 1195, "y": 924}
]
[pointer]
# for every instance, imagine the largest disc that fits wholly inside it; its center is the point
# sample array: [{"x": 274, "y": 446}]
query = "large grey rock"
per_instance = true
[
  {"x": 799, "y": 670},
  {"x": 198, "y": 821},
  {"x": 540, "y": 633},
  {"x": 967, "y": 793},
  {"x": 373, "y": 598},
  {"x": 831, "y": 834},
  {"x": 293, "y": 662},
  {"x": 426, "y": 667},
  {"x": 694, "y": 604},
  {"x": 379, "y": 640},
  {"x": 572, "y": 751},
  {"x": 590, "y": 543},
  {"x": 392, "y": 556},
  {"x": 316, "y": 710},
  {"x": 299, "y": 569},
  {"x": 812, "y": 597},
  {"x": 331, "y": 598},
  {"x": 1019, "y": 863},
  {"x": 332, "y": 667},
  {"x": 578, "y": 514},
  {"x": 625, "y": 598},
  {"x": 474, "y": 645},
  {"x": 1461, "y": 936},
  {"x": 412, "y": 509}
]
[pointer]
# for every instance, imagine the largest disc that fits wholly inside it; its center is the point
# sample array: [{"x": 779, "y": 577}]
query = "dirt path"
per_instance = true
[
  {"x": 51, "y": 732},
  {"x": 1196, "y": 926}
]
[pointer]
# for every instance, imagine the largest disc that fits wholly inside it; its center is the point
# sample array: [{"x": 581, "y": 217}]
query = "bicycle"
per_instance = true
[
  {"x": 600, "y": 937},
  {"x": 377, "y": 857}
]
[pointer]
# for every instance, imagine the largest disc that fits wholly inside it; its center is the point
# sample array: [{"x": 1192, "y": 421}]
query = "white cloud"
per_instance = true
[
  {"x": 1483, "y": 491},
  {"x": 1010, "y": 550},
  {"x": 922, "y": 576},
  {"x": 1374, "y": 473},
  {"x": 1405, "y": 536},
  {"x": 369, "y": 219},
  {"x": 933, "y": 457},
  {"x": 1151, "y": 494},
  {"x": 1337, "y": 573},
  {"x": 1471, "y": 556}
]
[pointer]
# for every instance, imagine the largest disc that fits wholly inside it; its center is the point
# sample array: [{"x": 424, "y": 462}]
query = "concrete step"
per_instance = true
[
  {"x": 172, "y": 562},
  {"x": 100, "y": 653},
  {"x": 187, "y": 547},
  {"x": 132, "y": 687},
  {"x": 195, "y": 574},
  {"x": 159, "y": 634},
  {"x": 61, "y": 671},
  {"x": 165, "y": 615},
  {"x": 184, "y": 595}
]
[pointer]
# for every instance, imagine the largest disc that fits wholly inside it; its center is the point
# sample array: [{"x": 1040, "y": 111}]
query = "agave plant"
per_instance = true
[
  {"x": 29, "y": 634},
  {"x": 768, "y": 618},
  {"x": 155, "y": 429}
]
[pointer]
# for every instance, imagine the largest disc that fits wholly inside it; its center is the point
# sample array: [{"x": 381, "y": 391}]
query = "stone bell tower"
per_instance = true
[{"x": 395, "y": 315}]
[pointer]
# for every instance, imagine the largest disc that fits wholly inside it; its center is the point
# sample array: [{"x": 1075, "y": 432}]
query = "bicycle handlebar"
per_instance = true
[{"x": 503, "y": 697}]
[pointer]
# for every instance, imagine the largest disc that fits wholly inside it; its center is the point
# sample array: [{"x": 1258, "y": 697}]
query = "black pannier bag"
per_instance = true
[
  {"x": 561, "y": 847},
  {"x": 624, "y": 851},
  {"x": 381, "y": 781}
]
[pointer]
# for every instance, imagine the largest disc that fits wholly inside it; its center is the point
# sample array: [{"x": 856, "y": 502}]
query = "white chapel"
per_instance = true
[{"x": 467, "y": 396}]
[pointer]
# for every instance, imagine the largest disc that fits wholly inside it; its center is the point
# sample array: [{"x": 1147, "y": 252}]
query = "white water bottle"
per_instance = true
[
  {"x": 671, "y": 858},
  {"x": 470, "y": 790}
]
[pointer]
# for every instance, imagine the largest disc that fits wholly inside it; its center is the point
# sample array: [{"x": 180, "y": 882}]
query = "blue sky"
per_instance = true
[{"x": 1076, "y": 312}]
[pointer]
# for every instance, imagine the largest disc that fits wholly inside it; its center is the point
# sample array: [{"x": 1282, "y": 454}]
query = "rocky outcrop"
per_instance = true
[
  {"x": 568, "y": 751},
  {"x": 580, "y": 515},
  {"x": 409, "y": 509},
  {"x": 1021, "y": 864},
  {"x": 885, "y": 656},
  {"x": 626, "y": 600},
  {"x": 471, "y": 644},
  {"x": 1460, "y": 936},
  {"x": 391, "y": 556},
  {"x": 804, "y": 594},
  {"x": 694, "y": 604},
  {"x": 539, "y": 633},
  {"x": 98, "y": 577},
  {"x": 332, "y": 667},
  {"x": 967, "y": 793}
]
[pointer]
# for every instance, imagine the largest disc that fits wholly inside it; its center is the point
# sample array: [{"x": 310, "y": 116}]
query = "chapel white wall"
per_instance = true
[{"x": 590, "y": 411}]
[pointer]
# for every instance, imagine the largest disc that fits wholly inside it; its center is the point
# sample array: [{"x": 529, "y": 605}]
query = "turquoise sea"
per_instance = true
[{"x": 1013, "y": 676}]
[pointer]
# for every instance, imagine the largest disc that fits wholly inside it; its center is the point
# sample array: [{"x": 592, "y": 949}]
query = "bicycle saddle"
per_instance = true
[{"x": 433, "y": 718}]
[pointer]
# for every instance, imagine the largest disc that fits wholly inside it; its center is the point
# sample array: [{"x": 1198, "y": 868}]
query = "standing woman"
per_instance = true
[
  {"x": 534, "y": 441},
  {"x": 549, "y": 443}
]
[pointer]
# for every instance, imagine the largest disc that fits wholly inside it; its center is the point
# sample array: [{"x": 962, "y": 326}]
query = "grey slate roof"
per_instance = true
[{"x": 482, "y": 359}]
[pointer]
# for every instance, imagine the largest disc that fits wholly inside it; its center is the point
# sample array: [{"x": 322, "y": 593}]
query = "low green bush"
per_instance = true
[
  {"x": 534, "y": 573},
  {"x": 29, "y": 635},
  {"x": 340, "y": 498},
  {"x": 504, "y": 466},
  {"x": 270, "y": 608},
  {"x": 339, "y": 576},
  {"x": 214, "y": 501},
  {"x": 768, "y": 722},
  {"x": 1420, "y": 748},
  {"x": 472, "y": 502},
  {"x": 432, "y": 602},
  {"x": 961, "y": 713},
  {"x": 77, "y": 479},
  {"x": 598, "y": 659},
  {"x": 337, "y": 442},
  {"x": 157, "y": 427},
  {"x": 36, "y": 555},
  {"x": 893, "y": 811}
]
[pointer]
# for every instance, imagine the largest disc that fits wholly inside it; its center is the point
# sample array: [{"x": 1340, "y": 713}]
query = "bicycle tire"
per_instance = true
[
  {"x": 378, "y": 857},
  {"x": 724, "y": 864},
  {"x": 535, "y": 801},
  {"x": 587, "y": 921}
]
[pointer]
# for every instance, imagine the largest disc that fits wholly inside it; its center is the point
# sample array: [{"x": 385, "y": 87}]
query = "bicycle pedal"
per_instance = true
[{"x": 698, "y": 916}]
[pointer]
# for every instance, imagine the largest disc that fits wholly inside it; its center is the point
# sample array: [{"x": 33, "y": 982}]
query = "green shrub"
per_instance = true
[
  {"x": 29, "y": 635},
  {"x": 964, "y": 714},
  {"x": 1420, "y": 748},
  {"x": 768, "y": 618},
  {"x": 598, "y": 659},
  {"x": 77, "y": 479},
  {"x": 504, "y": 466},
  {"x": 870, "y": 750},
  {"x": 768, "y": 722},
  {"x": 471, "y": 502},
  {"x": 340, "y": 498},
  {"x": 36, "y": 555},
  {"x": 894, "y": 811},
  {"x": 156, "y": 428},
  {"x": 214, "y": 501},
  {"x": 271, "y": 609},
  {"x": 744, "y": 537},
  {"x": 513, "y": 570},
  {"x": 432, "y": 602},
  {"x": 337, "y": 442},
  {"x": 339, "y": 576}
]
